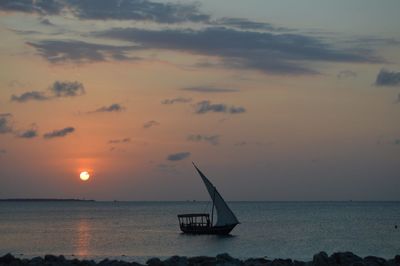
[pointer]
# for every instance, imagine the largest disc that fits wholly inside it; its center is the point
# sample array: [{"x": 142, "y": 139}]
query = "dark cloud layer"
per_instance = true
[
  {"x": 61, "y": 51},
  {"x": 58, "y": 133},
  {"x": 43, "y": 7},
  {"x": 387, "y": 78},
  {"x": 115, "y": 107},
  {"x": 150, "y": 124},
  {"x": 178, "y": 156},
  {"x": 139, "y": 10},
  {"x": 207, "y": 89},
  {"x": 176, "y": 100},
  {"x": 213, "y": 139},
  {"x": 206, "y": 107},
  {"x": 58, "y": 89},
  {"x": 263, "y": 51}
]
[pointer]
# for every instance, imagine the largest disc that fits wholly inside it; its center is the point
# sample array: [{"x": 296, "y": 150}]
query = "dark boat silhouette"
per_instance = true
[{"x": 200, "y": 223}]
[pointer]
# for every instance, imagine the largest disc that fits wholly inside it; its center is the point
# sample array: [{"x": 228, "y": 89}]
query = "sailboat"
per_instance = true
[{"x": 200, "y": 223}]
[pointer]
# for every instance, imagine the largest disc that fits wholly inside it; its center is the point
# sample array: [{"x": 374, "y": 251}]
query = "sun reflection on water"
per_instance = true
[{"x": 83, "y": 238}]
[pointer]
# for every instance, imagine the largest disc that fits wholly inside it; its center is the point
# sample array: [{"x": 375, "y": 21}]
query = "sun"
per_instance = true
[{"x": 84, "y": 176}]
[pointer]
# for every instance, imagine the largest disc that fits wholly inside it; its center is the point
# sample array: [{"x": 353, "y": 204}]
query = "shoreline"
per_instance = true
[{"x": 319, "y": 259}]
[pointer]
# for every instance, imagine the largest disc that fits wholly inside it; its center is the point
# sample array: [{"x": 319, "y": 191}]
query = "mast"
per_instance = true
[{"x": 212, "y": 210}]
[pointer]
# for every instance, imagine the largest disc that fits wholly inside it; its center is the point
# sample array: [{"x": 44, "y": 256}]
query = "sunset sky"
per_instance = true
[{"x": 274, "y": 100}]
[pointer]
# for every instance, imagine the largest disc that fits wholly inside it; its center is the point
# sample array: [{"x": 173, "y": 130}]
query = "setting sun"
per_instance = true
[{"x": 84, "y": 176}]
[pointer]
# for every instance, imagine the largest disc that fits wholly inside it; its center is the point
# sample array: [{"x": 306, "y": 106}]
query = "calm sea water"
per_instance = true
[{"x": 139, "y": 230}]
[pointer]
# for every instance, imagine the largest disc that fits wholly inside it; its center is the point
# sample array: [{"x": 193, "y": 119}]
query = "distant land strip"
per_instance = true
[{"x": 44, "y": 199}]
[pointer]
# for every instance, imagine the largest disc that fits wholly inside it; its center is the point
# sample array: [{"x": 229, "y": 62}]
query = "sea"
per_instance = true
[{"x": 137, "y": 231}]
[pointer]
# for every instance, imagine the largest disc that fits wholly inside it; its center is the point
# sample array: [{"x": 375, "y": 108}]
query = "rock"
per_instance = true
[
  {"x": 226, "y": 260},
  {"x": 299, "y": 263},
  {"x": 154, "y": 262},
  {"x": 50, "y": 258},
  {"x": 176, "y": 261},
  {"x": 282, "y": 262},
  {"x": 7, "y": 259},
  {"x": 202, "y": 261},
  {"x": 257, "y": 262},
  {"x": 320, "y": 259},
  {"x": 344, "y": 258},
  {"x": 374, "y": 261},
  {"x": 36, "y": 261}
]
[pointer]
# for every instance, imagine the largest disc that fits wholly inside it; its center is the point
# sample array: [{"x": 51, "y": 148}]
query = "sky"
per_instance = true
[{"x": 273, "y": 100}]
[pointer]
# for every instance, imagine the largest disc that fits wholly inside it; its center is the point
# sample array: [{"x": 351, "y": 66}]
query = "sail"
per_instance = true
[{"x": 224, "y": 215}]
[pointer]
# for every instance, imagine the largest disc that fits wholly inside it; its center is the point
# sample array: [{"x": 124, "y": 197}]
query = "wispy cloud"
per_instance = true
[
  {"x": 67, "y": 89},
  {"x": 387, "y": 78},
  {"x": 113, "y": 108},
  {"x": 29, "y": 96},
  {"x": 59, "y": 89},
  {"x": 246, "y": 24},
  {"x": 116, "y": 141},
  {"x": 344, "y": 74},
  {"x": 150, "y": 124},
  {"x": 209, "y": 89},
  {"x": 5, "y": 123},
  {"x": 178, "y": 156},
  {"x": 176, "y": 100},
  {"x": 28, "y": 134},
  {"x": 58, "y": 133},
  {"x": 212, "y": 139},
  {"x": 207, "y": 107},
  {"x": 64, "y": 51},
  {"x": 3, "y": 151}
]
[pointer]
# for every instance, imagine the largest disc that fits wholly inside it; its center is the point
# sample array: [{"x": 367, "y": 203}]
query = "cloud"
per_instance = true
[
  {"x": 29, "y": 96},
  {"x": 58, "y": 89},
  {"x": 262, "y": 51},
  {"x": 5, "y": 126},
  {"x": 139, "y": 10},
  {"x": 28, "y": 134},
  {"x": 176, "y": 100},
  {"x": 48, "y": 7},
  {"x": 397, "y": 142},
  {"x": 61, "y": 51},
  {"x": 150, "y": 124},
  {"x": 206, "y": 107},
  {"x": 178, "y": 156},
  {"x": 67, "y": 89},
  {"x": 344, "y": 74},
  {"x": 59, "y": 133},
  {"x": 246, "y": 24},
  {"x": 116, "y": 141},
  {"x": 387, "y": 78},
  {"x": 213, "y": 140},
  {"x": 3, "y": 151},
  {"x": 46, "y": 21},
  {"x": 206, "y": 89},
  {"x": 115, "y": 107}
]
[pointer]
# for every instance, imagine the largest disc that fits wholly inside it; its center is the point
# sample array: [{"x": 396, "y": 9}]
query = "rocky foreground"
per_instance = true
[{"x": 320, "y": 259}]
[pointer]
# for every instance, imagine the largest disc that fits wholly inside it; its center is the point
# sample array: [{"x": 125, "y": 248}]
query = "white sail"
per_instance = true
[{"x": 224, "y": 215}]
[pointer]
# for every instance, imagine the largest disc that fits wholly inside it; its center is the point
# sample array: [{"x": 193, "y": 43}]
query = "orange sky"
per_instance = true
[{"x": 280, "y": 122}]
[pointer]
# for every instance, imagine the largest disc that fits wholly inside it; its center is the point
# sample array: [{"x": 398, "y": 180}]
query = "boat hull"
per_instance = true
[{"x": 213, "y": 230}]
